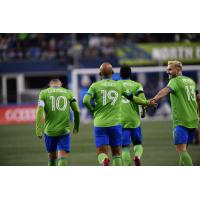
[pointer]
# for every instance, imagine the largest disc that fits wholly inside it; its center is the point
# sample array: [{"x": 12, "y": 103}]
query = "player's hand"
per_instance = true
[
  {"x": 152, "y": 102},
  {"x": 75, "y": 131}
]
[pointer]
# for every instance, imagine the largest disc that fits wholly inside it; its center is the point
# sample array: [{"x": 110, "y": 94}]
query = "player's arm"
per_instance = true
[
  {"x": 198, "y": 102},
  {"x": 129, "y": 95},
  {"x": 162, "y": 93},
  {"x": 88, "y": 98},
  {"x": 142, "y": 96},
  {"x": 139, "y": 100},
  {"x": 76, "y": 111},
  {"x": 39, "y": 115},
  {"x": 87, "y": 103}
]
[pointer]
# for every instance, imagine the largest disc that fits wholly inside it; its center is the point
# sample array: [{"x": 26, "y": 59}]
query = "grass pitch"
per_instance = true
[{"x": 20, "y": 147}]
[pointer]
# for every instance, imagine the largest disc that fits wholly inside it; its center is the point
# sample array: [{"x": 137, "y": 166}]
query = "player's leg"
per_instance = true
[
  {"x": 136, "y": 137},
  {"x": 191, "y": 135},
  {"x": 50, "y": 143},
  {"x": 52, "y": 159},
  {"x": 101, "y": 141},
  {"x": 115, "y": 139},
  {"x": 180, "y": 134},
  {"x": 126, "y": 141},
  {"x": 102, "y": 153},
  {"x": 116, "y": 155},
  {"x": 63, "y": 149}
]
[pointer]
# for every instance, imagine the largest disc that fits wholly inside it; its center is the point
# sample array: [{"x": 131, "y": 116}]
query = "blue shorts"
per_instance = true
[
  {"x": 57, "y": 143},
  {"x": 183, "y": 135},
  {"x": 131, "y": 134},
  {"x": 108, "y": 136}
]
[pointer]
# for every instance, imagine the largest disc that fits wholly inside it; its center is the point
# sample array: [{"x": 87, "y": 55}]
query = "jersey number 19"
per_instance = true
[{"x": 111, "y": 95}]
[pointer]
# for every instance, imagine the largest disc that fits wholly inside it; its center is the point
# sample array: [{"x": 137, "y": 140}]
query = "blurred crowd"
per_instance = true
[{"x": 70, "y": 47}]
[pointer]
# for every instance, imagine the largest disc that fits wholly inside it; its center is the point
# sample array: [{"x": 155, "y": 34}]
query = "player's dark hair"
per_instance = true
[
  {"x": 125, "y": 72},
  {"x": 55, "y": 80}
]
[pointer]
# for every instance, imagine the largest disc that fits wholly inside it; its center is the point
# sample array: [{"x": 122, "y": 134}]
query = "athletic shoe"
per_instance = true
[
  {"x": 137, "y": 161},
  {"x": 106, "y": 162}
]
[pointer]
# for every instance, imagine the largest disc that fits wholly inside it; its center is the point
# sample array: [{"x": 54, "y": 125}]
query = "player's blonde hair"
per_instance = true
[{"x": 175, "y": 63}]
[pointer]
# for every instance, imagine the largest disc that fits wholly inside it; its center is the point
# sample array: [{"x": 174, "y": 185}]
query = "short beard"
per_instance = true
[{"x": 172, "y": 76}]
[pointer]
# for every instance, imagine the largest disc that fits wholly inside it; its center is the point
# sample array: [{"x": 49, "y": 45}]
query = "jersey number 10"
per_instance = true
[{"x": 56, "y": 103}]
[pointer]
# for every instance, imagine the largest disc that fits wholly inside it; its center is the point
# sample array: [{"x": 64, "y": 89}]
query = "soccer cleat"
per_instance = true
[
  {"x": 106, "y": 162},
  {"x": 137, "y": 161}
]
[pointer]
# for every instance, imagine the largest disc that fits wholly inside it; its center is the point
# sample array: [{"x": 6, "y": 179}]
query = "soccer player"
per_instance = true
[
  {"x": 106, "y": 94},
  {"x": 56, "y": 102},
  {"x": 185, "y": 103},
  {"x": 131, "y": 130}
]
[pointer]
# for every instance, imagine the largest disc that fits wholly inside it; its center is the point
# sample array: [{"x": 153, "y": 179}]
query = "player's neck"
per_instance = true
[
  {"x": 106, "y": 77},
  {"x": 55, "y": 86}
]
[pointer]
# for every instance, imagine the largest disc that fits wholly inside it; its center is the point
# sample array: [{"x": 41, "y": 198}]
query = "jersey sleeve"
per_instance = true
[
  {"x": 139, "y": 89},
  {"x": 172, "y": 86},
  {"x": 91, "y": 91},
  {"x": 71, "y": 97},
  {"x": 41, "y": 100}
]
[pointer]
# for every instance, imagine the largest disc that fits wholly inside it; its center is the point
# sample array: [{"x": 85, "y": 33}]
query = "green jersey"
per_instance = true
[
  {"x": 107, "y": 98},
  {"x": 129, "y": 109},
  {"x": 183, "y": 102},
  {"x": 56, "y": 102}
]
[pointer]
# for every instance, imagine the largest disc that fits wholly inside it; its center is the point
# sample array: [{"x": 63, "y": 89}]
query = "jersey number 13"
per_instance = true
[{"x": 190, "y": 91}]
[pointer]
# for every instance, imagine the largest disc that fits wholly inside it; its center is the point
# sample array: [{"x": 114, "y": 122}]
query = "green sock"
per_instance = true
[
  {"x": 117, "y": 161},
  {"x": 102, "y": 157},
  {"x": 126, "y": 156},
  {"x": 52, "y": 162},
  {"x": 62, "y": 161},
  {"x": 138, "y": 150},
  {"x": 180, "y": 161},
  {"x": 185, "y": 158}
]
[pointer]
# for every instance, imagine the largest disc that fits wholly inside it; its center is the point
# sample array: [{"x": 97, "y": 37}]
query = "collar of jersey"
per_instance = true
[
  {"x": 55, "y": 87},
  {"x": 176, "y": 76}
]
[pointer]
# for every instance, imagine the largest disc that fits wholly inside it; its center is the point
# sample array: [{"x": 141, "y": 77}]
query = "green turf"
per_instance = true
[{"x": 20, "y": 146}]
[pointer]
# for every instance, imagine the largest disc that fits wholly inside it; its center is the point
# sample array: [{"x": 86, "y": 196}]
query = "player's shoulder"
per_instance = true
[
  {"x": 187, "y": 79},
  {"x": 120, "y": 82},
  {"x": 104, "y": 82},
  {"x": 173, "y": 80},
  {"x": 43, "y": 91},
  {"x": 137, "y": 83},
  {"x": 94, "y": 84},
  {"x": 66, "y": 89}
]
